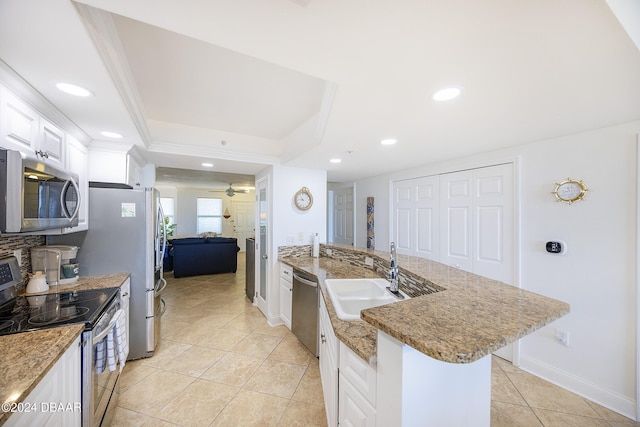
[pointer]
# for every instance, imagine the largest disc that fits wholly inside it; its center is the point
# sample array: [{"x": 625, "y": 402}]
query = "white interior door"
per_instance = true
[
  {"x": 243, "y": 218},
  {"x": 343, "y": 216},
  {"x": 262, "y": 246},
  {"x": 416, "y": 204},
  {"x": 456, "y": 209}
]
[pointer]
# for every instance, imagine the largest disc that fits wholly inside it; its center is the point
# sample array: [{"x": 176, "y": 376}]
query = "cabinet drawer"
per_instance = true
[
  {"x": 286, "y": 272},
  {"x": 361, "y": 375}
]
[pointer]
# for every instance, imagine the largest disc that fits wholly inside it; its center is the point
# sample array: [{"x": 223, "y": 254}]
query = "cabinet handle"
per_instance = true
[{"x": 126, "y": 294}]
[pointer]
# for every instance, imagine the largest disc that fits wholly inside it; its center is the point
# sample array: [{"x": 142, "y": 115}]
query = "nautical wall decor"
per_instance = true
[{"x": 371, "y": 235}]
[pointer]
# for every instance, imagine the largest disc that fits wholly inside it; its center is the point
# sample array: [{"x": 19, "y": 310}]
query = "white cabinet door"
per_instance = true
[
  {"x": 354, "y": 408},
  {"x": 23, "y": 129},
  {"x": 328, "y": 361},
  {"x": 285, "y": 303},
  {"x": 19, "y": 124},
  {"x": 286, "y": 294},
  {"x": 51, "y": 144},
  {"x": 62, "y": 385}
]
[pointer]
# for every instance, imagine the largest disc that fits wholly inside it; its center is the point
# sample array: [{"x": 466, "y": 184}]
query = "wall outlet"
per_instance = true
[
  {"x": 562, "y": 336},
  {"x": 368, "y": 261},
  {"x": 329, "y": 252},
  {"x": 18, "y": 254}
]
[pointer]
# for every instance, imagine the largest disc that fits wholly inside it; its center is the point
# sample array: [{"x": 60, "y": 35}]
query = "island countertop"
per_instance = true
[
  {"x": 468, "y": 318},
  {"x": 28, "y": 356}
]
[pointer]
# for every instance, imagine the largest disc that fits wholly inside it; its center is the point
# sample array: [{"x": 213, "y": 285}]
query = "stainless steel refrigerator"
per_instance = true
[{"x": 125, "y": 235}]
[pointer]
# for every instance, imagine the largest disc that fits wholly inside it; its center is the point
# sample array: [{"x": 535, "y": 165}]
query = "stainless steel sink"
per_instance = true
[{"x": 350, "y": 296}]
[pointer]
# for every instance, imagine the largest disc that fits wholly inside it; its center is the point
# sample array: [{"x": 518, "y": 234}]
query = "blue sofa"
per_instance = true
[{"x": 194, "y": 256}]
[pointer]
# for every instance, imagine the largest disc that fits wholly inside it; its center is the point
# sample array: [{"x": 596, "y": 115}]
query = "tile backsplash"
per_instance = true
[{"x": 10, "y": 243}]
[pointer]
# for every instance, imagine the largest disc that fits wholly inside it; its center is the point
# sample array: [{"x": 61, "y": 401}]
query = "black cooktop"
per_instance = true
[{"x": 27, "y": 313}]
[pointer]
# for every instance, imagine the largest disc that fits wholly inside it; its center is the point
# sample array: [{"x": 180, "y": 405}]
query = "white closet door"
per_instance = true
[
  {"x": 426, "y": 231},
  {"x": 494, "y": 223},
  {"x": 402, "y": 212},
  {"x": 456, "y": 211},
  {"x": 415, "y": 219}
]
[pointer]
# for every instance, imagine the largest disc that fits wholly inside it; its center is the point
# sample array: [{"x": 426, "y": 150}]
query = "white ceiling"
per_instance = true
[{"x": 250, "y": 83}]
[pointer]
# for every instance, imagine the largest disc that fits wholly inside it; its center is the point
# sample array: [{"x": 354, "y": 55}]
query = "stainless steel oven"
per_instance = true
[
  {"x": 95, "y": 308},
  {"x": 100, "y": 385}
]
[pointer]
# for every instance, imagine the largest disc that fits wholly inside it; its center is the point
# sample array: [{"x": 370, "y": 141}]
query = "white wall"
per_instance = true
[
  {"x": 290, "y": 226},
  {"x": 186, "y": 212},
  {"x": 597, "y": 275}
]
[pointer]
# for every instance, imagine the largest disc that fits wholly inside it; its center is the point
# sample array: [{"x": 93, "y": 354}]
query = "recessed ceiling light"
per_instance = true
[
  {"x": 335, "y": 160},
  {"x": 74, "y": 89},
  {"x": 388, "y": 141},
  {"x": 447, "y": 93},
  {"x": 114, "y": 135},
  {"x": 207, "y": 165}
]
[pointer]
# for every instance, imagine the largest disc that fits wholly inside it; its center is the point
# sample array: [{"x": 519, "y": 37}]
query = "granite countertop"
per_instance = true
[
  {"x": 28, "y": 356},
  {"x": 469, "y": 318}
]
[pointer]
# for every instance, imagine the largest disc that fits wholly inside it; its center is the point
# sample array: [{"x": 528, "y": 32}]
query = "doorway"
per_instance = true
[
  {"x": 341, "y": 216},
  {"x": 262, "y": 245}
]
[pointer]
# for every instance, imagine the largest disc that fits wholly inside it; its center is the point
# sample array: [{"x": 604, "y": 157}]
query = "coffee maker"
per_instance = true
[{"x": 57, "y": 263}]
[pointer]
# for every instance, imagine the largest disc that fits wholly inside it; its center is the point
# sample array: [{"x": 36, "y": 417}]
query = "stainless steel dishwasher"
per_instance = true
[{"x": 304, "y": 310}]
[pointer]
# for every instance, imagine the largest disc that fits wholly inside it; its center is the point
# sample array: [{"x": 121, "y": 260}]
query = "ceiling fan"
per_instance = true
[{"x": 231, "y": 191}]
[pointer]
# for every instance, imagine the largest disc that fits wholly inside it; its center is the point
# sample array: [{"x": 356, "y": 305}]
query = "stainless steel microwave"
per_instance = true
[{"x": 35, "y": 196}]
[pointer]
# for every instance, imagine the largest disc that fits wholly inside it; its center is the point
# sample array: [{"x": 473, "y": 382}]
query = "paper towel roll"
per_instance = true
[{"x": 316, "y": 246}]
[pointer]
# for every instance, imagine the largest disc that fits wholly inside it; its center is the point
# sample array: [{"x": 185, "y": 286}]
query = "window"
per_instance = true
[
  {"x": 209, "y": 212},
  {"x": 168, "y": 207}
]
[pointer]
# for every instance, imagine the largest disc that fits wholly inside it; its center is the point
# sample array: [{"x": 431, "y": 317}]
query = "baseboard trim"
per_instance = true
[{"x": 607, "y": 398}]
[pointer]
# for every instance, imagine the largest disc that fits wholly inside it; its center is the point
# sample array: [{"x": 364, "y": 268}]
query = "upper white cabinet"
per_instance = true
[
  {"x": 24, "y": 130},
  {"x": 19, "y": 123},
  {"x": 114, "y": 163},
  {"x": 51, "y": 145}
]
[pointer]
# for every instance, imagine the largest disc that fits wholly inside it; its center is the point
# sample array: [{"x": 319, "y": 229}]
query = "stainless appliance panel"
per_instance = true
[
  {"x": 35, "y": 196},
  {"x": 304, "y": 310},
  {"x": 122, "y": 237}
]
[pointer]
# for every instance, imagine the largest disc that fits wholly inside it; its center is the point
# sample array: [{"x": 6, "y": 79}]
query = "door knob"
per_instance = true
[{"x": 264, "y": 257}]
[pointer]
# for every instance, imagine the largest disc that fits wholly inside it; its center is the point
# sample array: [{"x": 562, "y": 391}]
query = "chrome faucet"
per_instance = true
[{"x": 393, "y": 270}]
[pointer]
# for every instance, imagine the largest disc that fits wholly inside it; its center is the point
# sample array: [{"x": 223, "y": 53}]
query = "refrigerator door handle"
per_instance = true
[
  {"x": 161, "y": 238},
  {"x": 160, "y": 285}
]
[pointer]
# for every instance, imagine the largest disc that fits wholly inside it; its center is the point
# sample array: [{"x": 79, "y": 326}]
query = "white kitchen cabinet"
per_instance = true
[
  {"x": 23, "y": 129},
  {"x": 125, "y": 296},
  {"x": 356, "y": 390},
  {"x": 328, "y": 361},
  {"x": 19, "y": 124},
  {"x": 51, "y": 144},
  {"x": 59, "y": 389},
  {"x": 286, "y": 287},
  {"x": 114, "y": 163},
  {"x": 77, "y": 162}
]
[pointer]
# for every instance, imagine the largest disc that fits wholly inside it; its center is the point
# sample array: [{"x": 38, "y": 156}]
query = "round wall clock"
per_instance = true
[
  {"x": 303, "y": 199},
  {"x": 570, "y": 191}
]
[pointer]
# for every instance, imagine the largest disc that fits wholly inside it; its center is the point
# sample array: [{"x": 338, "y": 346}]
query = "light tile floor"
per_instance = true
[{"x": 220, "y": 364}]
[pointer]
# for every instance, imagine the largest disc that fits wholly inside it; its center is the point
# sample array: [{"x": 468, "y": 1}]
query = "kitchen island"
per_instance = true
[
  {"x": 27, "y": 357},
  {"x": 437, "y": 344}
]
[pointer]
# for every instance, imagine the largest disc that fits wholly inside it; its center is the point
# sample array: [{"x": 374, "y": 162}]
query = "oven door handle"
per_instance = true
[{"x": 103, "y": 334}]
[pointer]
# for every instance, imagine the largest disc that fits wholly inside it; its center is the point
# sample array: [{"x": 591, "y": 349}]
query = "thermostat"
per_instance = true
[{"x": 557, "y": 247}]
